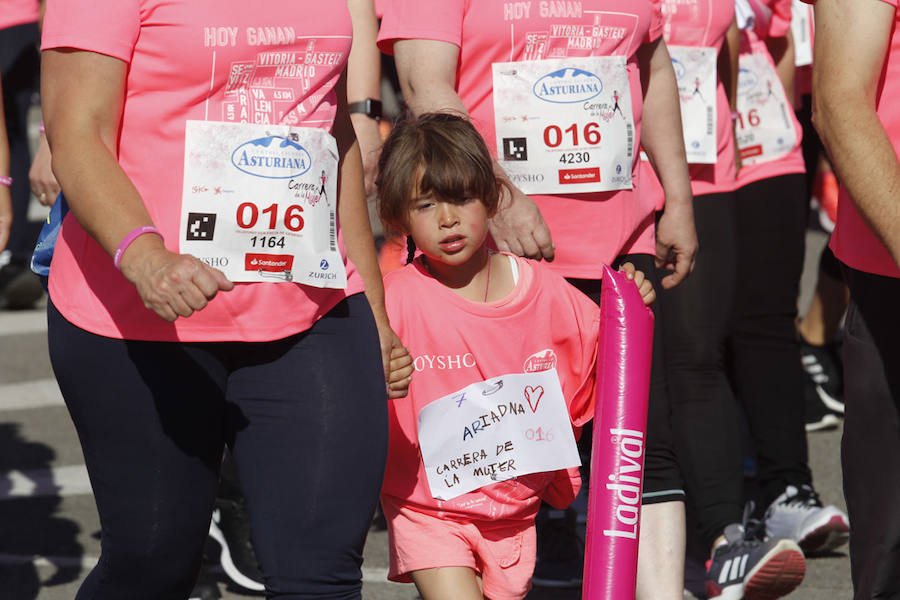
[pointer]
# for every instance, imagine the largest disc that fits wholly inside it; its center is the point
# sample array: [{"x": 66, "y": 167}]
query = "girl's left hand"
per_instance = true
[
  {"x": 396, "y": 360},
  {"x": 640, "y": 280}
]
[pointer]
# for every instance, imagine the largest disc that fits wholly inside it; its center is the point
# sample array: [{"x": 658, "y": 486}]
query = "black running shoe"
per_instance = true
[
  {"x": 750, "y": 567},
  {"x": 824, "y": 369},
  {"x": 817, "y": 415},
  {"x": 230, "y": 529},
  {"x": 560, "y": 551}
]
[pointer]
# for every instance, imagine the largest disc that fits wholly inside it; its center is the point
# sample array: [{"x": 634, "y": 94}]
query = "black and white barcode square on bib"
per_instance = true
[
  {"x": 200, "y": 226},
  {"x": 515, "y": 148}
]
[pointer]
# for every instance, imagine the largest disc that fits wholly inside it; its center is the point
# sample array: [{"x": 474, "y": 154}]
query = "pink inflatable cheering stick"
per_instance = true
[{"x": 617, "y": 456}]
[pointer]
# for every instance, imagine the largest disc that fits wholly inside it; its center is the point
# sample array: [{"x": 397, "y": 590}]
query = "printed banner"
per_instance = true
[
  {"x": 565, "y": 125},
  {"x": 695, "y": 74},
  {"x": 765, "y": 124},
  {"x": 495, "y": 430},
  {"x": 260, "y": 202}
]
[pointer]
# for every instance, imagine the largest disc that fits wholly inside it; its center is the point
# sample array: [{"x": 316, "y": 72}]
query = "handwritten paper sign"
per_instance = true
[{"x": 496, "y": 430}]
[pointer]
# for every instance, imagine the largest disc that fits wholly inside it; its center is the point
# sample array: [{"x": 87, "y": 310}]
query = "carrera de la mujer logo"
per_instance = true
[
  {"x": 567, "y": 86},
  {"x": 271, "y": 157}
]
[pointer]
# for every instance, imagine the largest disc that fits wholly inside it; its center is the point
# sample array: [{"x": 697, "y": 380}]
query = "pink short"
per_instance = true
[{"x": 502, "y": 553}]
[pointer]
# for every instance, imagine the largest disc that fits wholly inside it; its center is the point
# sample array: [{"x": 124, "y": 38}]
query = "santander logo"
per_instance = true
[
  {"x": 625, "y": 483},
  {"x": 543, "y": 360}
]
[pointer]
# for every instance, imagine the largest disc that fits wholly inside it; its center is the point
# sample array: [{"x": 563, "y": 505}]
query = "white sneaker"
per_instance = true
[{"x": 798, "y": 514}]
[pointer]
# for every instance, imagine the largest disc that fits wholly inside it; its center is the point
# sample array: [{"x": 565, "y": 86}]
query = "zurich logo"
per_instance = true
[
  {"x": 568, "y": 85},
  {"x": 271, "y": 157},
  {"x": 679, "y": 67},
  {"x": 747, "y": 81},
  {"x": 324, "y": 265}
]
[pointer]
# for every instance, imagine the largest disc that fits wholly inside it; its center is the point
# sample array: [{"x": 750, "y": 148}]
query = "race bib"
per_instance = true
[
  {"x": 565, "y": 125},
  {"x": 695, "y": 73},
  {"x": 802, "y": 31},
  {"x": 765, "y": 126},
  {"x": 495, "y": 430},
  {"x": 260, "y": 202}
]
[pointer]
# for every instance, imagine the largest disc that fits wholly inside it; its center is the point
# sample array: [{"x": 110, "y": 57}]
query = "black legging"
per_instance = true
[
  {"x": 767, "y": 371},
  {"x": 735, "y": 316},
  {"x": 306, "y": 420},
  {"x": 704, "y": 414}
]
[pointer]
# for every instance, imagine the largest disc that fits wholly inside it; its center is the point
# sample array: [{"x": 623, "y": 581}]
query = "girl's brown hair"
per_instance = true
[{"x": 437, "y": 153}]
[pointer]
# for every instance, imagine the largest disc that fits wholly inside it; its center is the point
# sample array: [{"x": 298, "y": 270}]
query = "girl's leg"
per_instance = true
[
  {"x": 148, "y": 415},
  {"x": 448, "y": 583},
  {"x": 308, "y": 416},
  {"x": 660, "y": 573}
]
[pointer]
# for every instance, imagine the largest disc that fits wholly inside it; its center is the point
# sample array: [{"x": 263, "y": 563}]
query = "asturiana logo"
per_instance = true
[
  {"x": 680, "y": 69},
  {"x": 271, "y": 157},
  {"x": 747, "y": 81},
  {"x": 626, "y": 482},
  {"x": 568, "y": 85}
]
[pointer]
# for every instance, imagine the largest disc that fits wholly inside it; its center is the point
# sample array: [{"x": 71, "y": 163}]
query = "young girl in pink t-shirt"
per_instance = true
[{"x": 467, "y": 315}]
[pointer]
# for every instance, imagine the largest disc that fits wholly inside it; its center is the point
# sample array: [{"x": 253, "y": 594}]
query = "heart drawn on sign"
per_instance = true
[{"x": 534, "y": 394}]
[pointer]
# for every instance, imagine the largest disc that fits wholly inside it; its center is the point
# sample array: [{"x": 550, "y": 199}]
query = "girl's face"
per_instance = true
[{"x": 449, "y": 232}]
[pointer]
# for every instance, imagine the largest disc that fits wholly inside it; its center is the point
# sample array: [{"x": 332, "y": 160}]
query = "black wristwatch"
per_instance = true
[{"x": 369, "y": 107}]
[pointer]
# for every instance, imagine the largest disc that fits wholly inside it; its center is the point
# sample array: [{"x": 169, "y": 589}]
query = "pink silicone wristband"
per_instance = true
[
  {"x": 4, "y": 180},
  {"x": 128, "y": 239}
]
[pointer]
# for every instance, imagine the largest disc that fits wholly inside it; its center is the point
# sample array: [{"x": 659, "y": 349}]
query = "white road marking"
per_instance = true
[
  {"x": 14, "y": 322},
  {"x": 58, "y": 481},
  {"x": 38, "y": 393}
]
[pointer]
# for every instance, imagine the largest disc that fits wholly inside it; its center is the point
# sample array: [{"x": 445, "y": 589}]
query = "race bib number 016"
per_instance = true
[
  {"x": 765, "y": 126},
  {"x": 495, "y": 430},
  {"x": 565, "y": 125},
  {"x": 695, "y": 74},
  {"x": 260, "y": 202}
]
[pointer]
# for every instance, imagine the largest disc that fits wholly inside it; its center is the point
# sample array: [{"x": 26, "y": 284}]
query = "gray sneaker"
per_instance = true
[
  {"x": 749, "y": 567},
  {"x": 798, "y": 514}
]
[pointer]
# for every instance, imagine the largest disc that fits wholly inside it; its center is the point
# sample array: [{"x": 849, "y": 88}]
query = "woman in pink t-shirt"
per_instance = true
[
  {"x": 207, "y": 286},
  {"x": 574, "y": 87},
  {"x": 469, "y": 316}
]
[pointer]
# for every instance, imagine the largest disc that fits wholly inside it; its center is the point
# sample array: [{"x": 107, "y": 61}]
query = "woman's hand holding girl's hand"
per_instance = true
[
  {"x": 395, "y": 358},
  {"x": 400, "y": 375},
  {"x": 640, "y": 280},
  {"x": 171, "y": 285}
]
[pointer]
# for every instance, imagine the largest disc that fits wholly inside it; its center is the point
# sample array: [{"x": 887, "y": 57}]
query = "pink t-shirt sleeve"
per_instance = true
[
  {"x": 111, "y": 26},
  {"x": 657, "y": 23},
  {"x": 413, "y": 19},
  {"x": 781, "y": 18}
]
